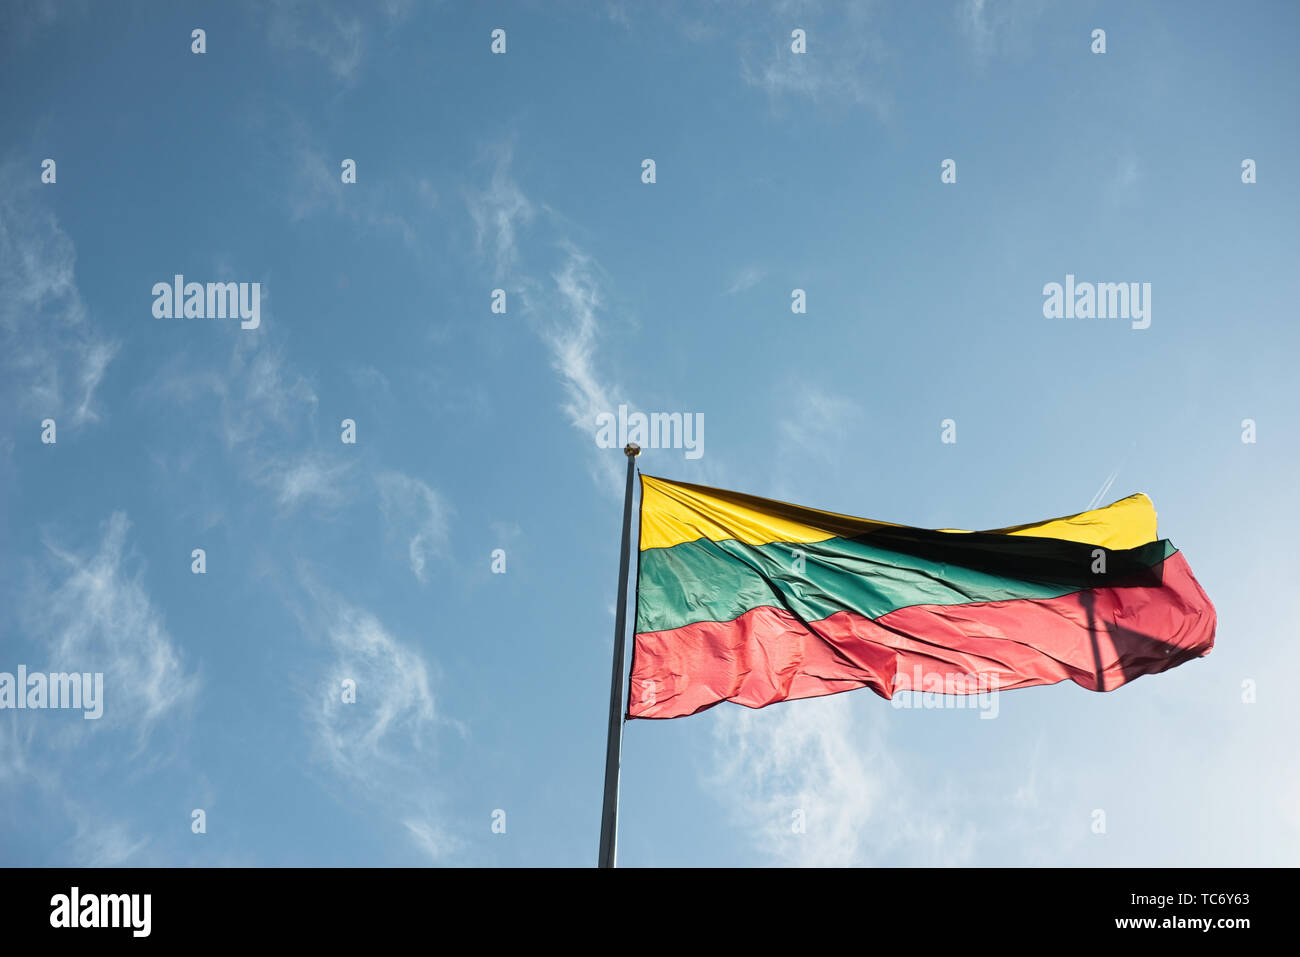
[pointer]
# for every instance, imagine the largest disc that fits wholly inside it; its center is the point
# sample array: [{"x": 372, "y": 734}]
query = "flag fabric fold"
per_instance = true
[{"x": 755, "y": 601}]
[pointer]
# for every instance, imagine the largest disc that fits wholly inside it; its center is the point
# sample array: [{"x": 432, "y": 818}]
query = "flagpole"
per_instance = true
[{"x": 614, "y": 742}]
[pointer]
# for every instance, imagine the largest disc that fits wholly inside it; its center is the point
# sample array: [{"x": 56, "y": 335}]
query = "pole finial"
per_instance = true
[{"x": 631, "y": 450}]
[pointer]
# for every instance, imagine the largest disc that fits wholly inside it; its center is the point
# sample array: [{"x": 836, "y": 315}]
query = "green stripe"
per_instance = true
[{"x": 720, "y": 581}]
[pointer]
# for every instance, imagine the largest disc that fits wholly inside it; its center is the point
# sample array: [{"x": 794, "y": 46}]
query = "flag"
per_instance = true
[{"x": 755, "y": 601}]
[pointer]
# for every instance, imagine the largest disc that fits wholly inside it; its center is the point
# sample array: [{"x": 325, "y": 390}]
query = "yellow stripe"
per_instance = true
[
  {"x": 1128, "y": 523},
  {"x": 676, "y": 512}
]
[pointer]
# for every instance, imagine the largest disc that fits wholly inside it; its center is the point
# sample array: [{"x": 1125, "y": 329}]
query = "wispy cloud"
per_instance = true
[
  {"x": 393, "y": 690},
  {"x": 747, "y": 278},
  {"x": 330, "y": 32},
  {"x": 564, "y": 313},
  {"x": 993, "y": 28},
  {"x": 382, "y": 744},
  {"x": 817, "y": 422},
  {"x": 433, "y": 840},
  {"x": 262, "y": 401},
  {"x": 416, "y": 513},
  {"x": 506, "y": 533},
  {"x": 573, "y": 339},
  {"x": 814, "y": 427},
  {"x": 569, "y": 313},
  {"x": 1127, "y": 172},
  {"x": 260, "y": 393},
  {"x": 52, "y": 356},
  {"x": 99, "y": 617},
  {"x": 266, "y": 417},
  {"x": 371, "y": 381},
  {"x": 807, "y": 787},
  {"x": 314, "y": 187},
  {"x": 22, "y": 19},
  {"x": 307, "y": 479},
  {"x": 843, "y": 63},
  {"x": 101, "y": 843},
  {"x": 427, "y": 193},
  {"x": 88, "y": 610},
  {"x": 315, "y": 183},
  {"x": 15, "y": 741},
  {"x": 498, "y": 212},
  {"x": 817, "y": 788},
  {"x": 1121, "y": 186},
  {"x": 571, "y": 335},
  {"x": 975, "y": 24}
]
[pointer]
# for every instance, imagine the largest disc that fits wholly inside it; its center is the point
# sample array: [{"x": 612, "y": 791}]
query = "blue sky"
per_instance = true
[{"x": 479, "y": 692}]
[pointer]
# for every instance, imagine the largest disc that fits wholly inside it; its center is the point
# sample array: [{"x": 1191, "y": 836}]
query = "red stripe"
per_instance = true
[{"x": 768, "y": 655}]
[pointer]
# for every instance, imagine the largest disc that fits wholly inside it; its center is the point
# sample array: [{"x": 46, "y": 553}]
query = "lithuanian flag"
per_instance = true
[{"x": 754, "y": 601}]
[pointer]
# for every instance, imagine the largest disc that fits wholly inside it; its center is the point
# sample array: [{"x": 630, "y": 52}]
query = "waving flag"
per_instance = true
[{"x": 755, "y": 601}]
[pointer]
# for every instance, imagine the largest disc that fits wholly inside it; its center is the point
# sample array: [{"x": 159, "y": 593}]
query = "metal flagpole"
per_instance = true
[{"x": 614, "y": 743}]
